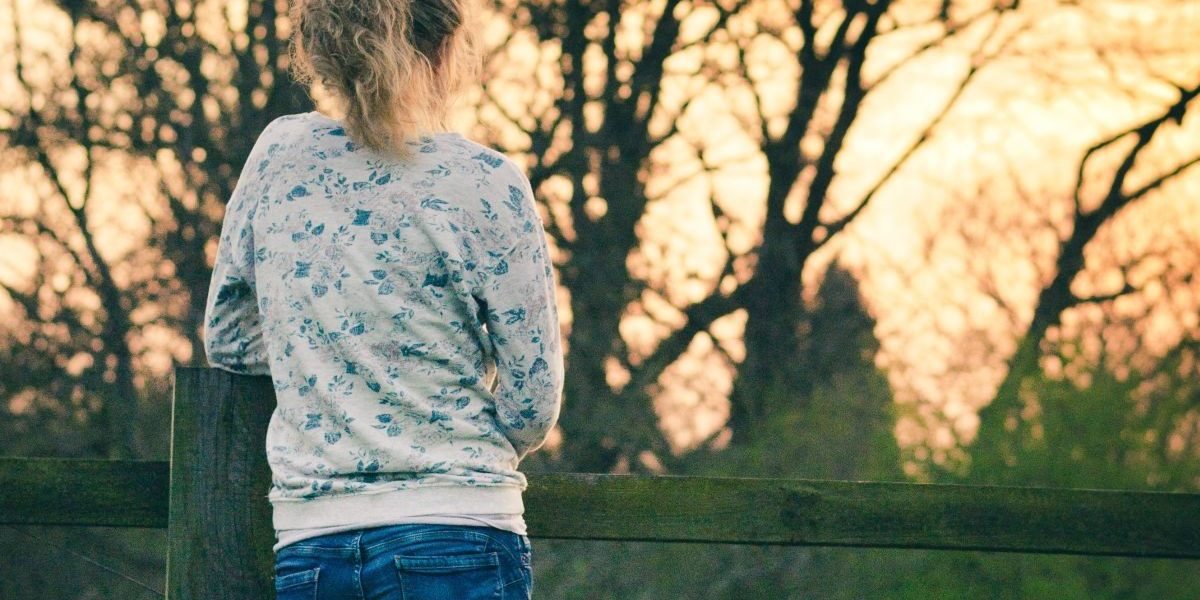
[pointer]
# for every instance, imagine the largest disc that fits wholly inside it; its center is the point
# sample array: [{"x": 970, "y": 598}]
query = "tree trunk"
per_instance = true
[
  {"x": 1000, "y": 425},
  {"x": 771, "y": 372}
]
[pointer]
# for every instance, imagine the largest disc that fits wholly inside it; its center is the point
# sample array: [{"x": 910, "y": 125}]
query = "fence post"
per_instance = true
[{"x": 219, "y": 531}]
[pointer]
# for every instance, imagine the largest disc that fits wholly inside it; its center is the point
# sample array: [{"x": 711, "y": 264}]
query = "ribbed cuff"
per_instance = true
[{"x": 329, "y": 511}]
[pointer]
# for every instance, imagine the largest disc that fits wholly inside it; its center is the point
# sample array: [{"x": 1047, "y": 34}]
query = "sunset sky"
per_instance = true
[{"x": 950, "y": 254}]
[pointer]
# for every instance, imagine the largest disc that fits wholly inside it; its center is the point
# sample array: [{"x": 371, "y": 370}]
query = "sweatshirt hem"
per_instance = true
[{"x": 396, "y": 504}]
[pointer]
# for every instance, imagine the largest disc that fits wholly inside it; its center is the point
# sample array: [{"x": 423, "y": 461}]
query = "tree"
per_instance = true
[
  {"x": 833, "y": 75},
  {"x": 172, "y": 95},
  {"x": 1064, "y": 231},
  {"x": 597, "y": 156},
  {"x": 1001, "y": 419}
]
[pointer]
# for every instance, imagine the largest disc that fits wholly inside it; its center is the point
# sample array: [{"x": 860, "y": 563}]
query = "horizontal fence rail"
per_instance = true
[
  {"x": 48, "y": 491},
  {"x": 211, "y": 496},
  {"x": 102, "y": 493}
]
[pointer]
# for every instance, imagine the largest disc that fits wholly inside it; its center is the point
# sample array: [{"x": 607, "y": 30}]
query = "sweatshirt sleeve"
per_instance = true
[
  {"x": 522, "y": 323},
  {"x": 233, "y": 336}
]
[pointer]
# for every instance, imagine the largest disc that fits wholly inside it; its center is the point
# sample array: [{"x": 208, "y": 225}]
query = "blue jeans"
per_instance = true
[{"x": 407, "y": 562}]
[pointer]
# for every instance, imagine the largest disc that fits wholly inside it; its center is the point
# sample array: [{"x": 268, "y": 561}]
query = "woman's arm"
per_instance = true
[
  {"x": 233, "y": 336},
  {"x": 522, "y": 322}
]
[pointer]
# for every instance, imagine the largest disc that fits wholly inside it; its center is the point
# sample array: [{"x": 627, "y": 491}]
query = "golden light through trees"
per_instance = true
[{"x": 940, "y": 147}]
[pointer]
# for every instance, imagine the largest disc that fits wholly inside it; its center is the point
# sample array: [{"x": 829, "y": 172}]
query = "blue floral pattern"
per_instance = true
[{"x": 405, "y": 312}]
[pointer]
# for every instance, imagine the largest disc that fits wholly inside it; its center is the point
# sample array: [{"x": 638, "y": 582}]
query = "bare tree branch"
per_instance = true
[{"x": 835, "y": 227}]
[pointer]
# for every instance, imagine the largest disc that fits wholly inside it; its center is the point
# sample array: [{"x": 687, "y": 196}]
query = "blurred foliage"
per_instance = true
[
  {"x": 1113, "y": 434},
  {"x": 1090, "y": 437}
]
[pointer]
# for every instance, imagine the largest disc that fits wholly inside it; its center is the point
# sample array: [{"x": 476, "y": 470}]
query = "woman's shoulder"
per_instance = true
[
  {"x": 488, "y": 156},
  {"x": 309, "y": 125},
  {"x": 503, "y": 170},
  {"x": 281, "y": 125}
]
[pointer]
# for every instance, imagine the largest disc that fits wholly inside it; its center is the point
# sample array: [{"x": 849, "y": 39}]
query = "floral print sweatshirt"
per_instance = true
[{"x": 405, "y": 313}]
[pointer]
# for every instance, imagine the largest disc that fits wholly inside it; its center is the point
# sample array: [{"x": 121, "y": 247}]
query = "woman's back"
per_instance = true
[
  {"x": 396, "y": 285},
  {"x": 377, "y": 294}
]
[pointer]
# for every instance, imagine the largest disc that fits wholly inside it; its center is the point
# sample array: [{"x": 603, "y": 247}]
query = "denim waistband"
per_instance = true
[{"x": 348, "y": 544}]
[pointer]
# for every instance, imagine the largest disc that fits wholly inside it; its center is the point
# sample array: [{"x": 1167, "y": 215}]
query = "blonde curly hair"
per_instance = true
[{"x": 393, "y": 66}]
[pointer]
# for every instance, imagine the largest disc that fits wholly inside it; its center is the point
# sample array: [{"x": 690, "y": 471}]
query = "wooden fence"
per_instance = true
[{"x": 211, "y": 497}]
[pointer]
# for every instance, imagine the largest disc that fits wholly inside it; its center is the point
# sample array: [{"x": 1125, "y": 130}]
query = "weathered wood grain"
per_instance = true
[
  {"x": 219, "y": 533},
  {"x": 876, "y": 514}
]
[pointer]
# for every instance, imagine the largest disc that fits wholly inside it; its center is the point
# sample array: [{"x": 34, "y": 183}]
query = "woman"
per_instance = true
[{"x": 393, "y": 279}]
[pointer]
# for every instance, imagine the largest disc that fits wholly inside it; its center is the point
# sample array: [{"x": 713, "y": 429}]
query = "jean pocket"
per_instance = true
[
  {"x": 301, "y": 585},
  {"x": 474, "y": 576}
]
